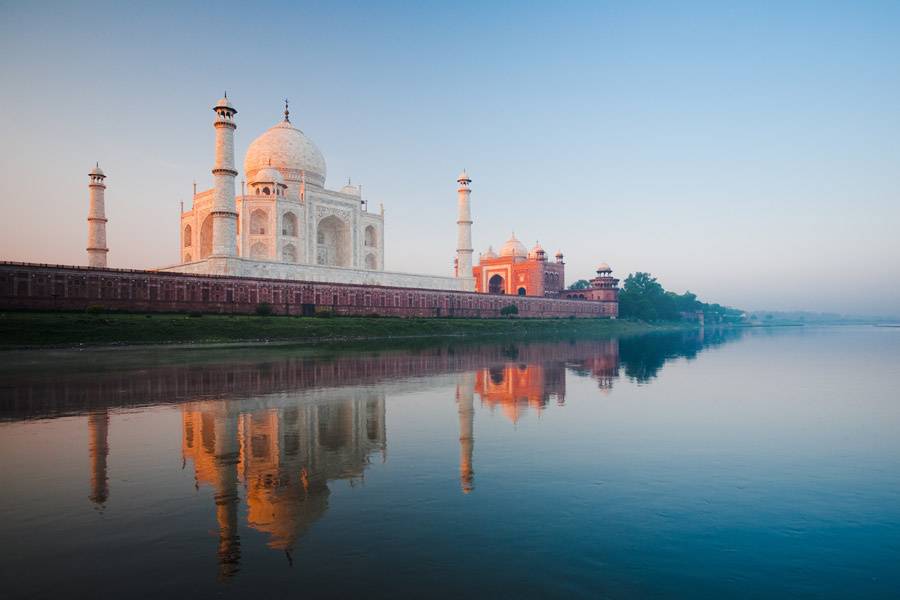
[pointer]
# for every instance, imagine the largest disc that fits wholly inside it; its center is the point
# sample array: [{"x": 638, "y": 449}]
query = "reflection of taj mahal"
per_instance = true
[
  {"x": 286, "y": 431},
  {"x": 283, "y": 456}
]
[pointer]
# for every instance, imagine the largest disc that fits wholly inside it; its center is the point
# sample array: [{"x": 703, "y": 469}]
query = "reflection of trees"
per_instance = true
[{"x": 643, "y": 356}]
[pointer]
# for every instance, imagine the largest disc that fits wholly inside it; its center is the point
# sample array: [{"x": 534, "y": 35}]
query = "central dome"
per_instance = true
[{"x": 289, "y": 151}]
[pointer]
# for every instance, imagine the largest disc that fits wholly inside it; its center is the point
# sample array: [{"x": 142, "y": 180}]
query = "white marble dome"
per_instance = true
[
  {"x": 289, "y": 151},
  {"x": 513, "y": 247},
  {"x": 489, "y": 254},
  {"x": 268, "y": 175}
]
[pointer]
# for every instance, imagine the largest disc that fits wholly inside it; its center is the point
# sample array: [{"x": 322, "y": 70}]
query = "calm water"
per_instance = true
[{"x": 758, "y": 463}]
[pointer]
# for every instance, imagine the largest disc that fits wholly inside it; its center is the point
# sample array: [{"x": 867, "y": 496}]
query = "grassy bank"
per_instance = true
[{"x": 45, "y": 329}]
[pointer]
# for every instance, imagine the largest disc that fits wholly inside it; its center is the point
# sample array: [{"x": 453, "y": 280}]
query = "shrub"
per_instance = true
[
  {"x": 195, "y": 314},
  {"x": 95, "y": 309},
  {"x": 324, "y": 314},
  {"x": 510, "y": 309},
  {"x": 264, "y": 309}
]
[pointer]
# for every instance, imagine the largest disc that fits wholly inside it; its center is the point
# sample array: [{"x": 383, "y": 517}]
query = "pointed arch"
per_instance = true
[
  {"x": 289, "y": 224},
  {"x": 206, "y": 234},
  {"x": 259, "y": 251}
]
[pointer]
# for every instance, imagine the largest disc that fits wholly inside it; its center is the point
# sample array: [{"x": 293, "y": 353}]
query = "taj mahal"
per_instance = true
[
  {"x": 286, "y": 223},
  {"x": 288, "y": 240}
]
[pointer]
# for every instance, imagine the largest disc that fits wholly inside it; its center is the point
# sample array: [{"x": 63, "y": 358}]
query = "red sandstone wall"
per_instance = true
[{"x": 58, "y": 287}]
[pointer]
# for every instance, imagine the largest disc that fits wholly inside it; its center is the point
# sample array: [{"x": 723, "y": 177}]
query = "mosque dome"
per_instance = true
[
  {"x": 513, "y": 247},
  {"x": 289, "y": 151}
]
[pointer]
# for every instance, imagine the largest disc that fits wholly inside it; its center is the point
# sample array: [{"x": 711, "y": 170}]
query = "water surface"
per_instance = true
[{"x": 701, "y": 464}]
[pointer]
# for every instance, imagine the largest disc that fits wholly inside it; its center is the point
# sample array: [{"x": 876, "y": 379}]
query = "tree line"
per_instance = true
[{"x": 643, "y": 297}]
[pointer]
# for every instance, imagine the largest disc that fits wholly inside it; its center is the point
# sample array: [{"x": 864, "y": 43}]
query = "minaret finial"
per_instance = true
[
  {"x": 287, "y": 113},
  {"x": 226, "y": 93}
]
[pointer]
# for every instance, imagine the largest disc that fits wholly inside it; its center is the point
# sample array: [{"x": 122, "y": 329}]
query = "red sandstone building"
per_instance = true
[
  {"x": 603, "y": 288},
  {"x": 518, "y": 272}
]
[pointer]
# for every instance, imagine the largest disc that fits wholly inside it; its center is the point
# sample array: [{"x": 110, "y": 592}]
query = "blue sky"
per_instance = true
[{"x": 747, "y": 152}]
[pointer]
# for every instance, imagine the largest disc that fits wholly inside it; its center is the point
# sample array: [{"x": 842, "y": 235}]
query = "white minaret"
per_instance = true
[
  {"x": 96, "y": 246},
  {"x": 224, "y": 212},
  {"x": 464, "y": 229}
]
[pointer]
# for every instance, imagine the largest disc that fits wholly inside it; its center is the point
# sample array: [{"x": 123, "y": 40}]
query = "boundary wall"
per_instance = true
[{"x": 33, "y": 286}]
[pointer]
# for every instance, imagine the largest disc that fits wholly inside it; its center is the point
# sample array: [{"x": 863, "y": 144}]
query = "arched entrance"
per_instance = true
[
  {"x": 333, "y": 242},
  {"x": 206, "y": 237},
  {"x": 495, "y": 285}
]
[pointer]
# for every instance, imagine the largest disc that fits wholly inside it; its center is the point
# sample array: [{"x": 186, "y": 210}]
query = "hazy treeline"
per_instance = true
[{"x": 643, "y": 297}]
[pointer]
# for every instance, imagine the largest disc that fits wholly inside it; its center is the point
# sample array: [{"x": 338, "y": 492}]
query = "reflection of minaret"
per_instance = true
[
  {"x": 465, "y": 390},
  {"x": 98, "y": 444},
  {"x": 211, "y": 441},
  {"x": 227, "y": 453}
]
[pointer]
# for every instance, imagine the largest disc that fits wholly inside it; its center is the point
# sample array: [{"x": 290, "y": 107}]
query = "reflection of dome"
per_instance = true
[
  {"x": 513, "y": 247},
  {"x": 290, "y": 151},
  {"x": 490, "y": 254}
]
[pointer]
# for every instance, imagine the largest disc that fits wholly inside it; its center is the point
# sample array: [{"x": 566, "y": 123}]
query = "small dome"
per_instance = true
[
  {"x": 463, "y": 177},
  {"x": 352, "y": 190},
  {"x": 559, "y": 254},
  {"x": 268, "y": 175},
  {"x": 489, "y": 254},
  {"x": 224, "y": 103},
  {"x": 537, "y": 252},
  {"x": 289, "y": 151},
  {"x": 604, "y": 268},
  {"x": 513, "y": 247},
  {"x": 97, "y": 171}
]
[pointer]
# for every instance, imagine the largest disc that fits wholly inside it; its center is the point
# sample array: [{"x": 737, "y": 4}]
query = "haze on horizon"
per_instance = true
[{"x": 746, "y": 153}]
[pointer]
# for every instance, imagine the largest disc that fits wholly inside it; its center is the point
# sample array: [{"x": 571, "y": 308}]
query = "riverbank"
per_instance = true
[{"x": 69, "y": 329}]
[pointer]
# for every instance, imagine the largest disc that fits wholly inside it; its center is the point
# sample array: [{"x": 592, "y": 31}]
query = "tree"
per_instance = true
[
  {"x": 643, "y": 297},
  {"x": 510, "y": 309},
  {"x": 581, "y": 284}
]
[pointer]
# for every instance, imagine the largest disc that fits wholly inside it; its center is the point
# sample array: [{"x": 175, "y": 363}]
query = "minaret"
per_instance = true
[
  {"x": 96, "y": 247},
  {"x": 465, "y": 389},
  {"x": 464, "y": 229},
  {"x": 224, "y": 212}
]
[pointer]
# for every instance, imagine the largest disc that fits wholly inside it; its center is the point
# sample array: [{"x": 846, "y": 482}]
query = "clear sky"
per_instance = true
[{"x": 747, "y": 152}]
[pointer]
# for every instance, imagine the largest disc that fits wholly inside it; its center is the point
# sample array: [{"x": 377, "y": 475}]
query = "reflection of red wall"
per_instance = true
[
  {"x": 514, "y": 387},
  {"x": 47, "y": 287}
]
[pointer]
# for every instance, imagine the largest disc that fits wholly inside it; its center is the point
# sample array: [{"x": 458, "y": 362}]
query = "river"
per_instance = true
[{"x": 718, "y": 463}]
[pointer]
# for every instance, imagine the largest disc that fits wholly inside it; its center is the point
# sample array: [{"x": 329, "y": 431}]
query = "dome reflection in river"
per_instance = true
[{"x": 283, "y": 454}]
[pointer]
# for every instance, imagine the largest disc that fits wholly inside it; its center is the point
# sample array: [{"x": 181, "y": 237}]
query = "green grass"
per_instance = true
[{"x": 43, "y": 329}]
